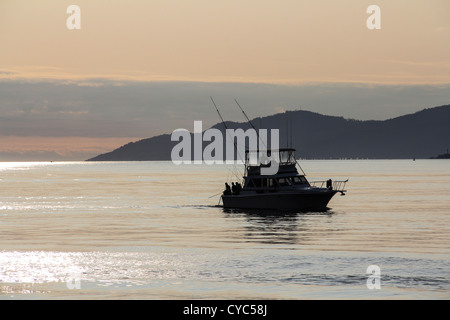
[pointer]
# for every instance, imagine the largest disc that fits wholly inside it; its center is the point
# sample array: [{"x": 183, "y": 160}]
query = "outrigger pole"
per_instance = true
[
  {"x": 226, "y": 130},
  {"x": 223, "y": 122},
  {"x": 245, "y": 115},
  {"x": 257, "y": 133}
]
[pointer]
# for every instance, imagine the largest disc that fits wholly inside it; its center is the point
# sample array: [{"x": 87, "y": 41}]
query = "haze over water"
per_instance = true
[{"x": 153, "y": 230}]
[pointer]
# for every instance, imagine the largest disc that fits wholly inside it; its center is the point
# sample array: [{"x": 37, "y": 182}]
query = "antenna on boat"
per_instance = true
[
  {"x": 287, "y": 129},
  {"x": 291, "y": 131}
]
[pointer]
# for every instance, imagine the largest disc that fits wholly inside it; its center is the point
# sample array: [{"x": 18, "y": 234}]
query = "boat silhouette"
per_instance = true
[{"x": 287, "y": 189}]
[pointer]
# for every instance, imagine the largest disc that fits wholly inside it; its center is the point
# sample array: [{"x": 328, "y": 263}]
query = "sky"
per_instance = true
[{"x": 140, "y": 68}]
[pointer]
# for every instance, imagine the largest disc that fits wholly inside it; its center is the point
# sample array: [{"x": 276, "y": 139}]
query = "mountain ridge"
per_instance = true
[{"x": 416, "y": 135}]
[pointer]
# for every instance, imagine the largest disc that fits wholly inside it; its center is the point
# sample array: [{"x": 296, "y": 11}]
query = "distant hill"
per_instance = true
[
  {"x": 314, "y": 135},
  {"x": 442, "y": 156}
]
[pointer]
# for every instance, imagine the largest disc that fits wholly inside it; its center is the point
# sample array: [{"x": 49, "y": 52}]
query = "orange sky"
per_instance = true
[
  {"x": 234, "y": 40},
  {"x": 289, "y": 42}
]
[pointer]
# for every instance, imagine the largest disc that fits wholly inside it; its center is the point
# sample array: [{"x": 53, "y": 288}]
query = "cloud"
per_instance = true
[
  {"x": 441, "y": 29},
  {"x": 60, "y": 120},
  {"x": 433, "y": 64},
  {"x": 74, "y": 113},
  {"x": 144, "y": 109},
  {"x": 5, "y": 73}
]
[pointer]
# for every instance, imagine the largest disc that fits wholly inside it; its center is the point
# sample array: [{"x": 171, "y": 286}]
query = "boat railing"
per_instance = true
[{"x": 338, "y": 185}]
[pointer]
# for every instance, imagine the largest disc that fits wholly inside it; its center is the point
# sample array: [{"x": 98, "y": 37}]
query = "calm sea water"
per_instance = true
[{"x": 153, "y": 230}]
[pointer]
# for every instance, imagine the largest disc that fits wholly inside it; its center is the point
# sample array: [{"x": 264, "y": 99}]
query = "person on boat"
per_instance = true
[
  {"x": 227, "y": 190},
  {"x": 329, "y": 184},
  {"x": 238, "y": 187}
]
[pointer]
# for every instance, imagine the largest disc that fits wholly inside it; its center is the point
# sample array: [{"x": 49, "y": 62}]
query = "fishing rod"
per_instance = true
[
  {"x": 257, "y": 133},
  {"x": 226, "y": 130},
  {"x": 223, "y": 122},
  {"x": 245, "y": 115}
]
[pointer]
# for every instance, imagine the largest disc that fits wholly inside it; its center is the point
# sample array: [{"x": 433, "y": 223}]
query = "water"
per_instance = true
[{"x": 152, "y": 230}]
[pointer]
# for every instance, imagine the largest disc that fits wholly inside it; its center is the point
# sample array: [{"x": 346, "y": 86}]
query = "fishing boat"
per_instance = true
[{"x": 285, "y": 190}]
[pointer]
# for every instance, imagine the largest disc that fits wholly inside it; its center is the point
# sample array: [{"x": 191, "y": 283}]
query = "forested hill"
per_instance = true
[{"x": 418, "y": 135}]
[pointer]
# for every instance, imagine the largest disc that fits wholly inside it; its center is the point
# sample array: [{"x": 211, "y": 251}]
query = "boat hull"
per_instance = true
[{"x": 284, "y": 201}]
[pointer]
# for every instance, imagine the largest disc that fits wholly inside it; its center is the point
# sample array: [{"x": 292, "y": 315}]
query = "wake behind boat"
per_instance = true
[{"x": 285, "y": 190}]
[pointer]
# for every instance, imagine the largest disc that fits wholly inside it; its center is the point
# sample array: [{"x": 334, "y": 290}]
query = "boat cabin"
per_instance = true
[{"x": 287, "y": 175}]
